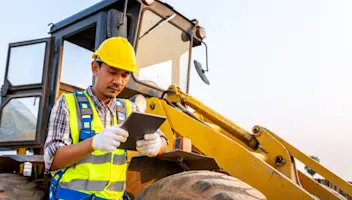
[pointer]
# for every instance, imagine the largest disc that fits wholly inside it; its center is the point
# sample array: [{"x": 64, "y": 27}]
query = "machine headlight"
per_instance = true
[
  {"x": 140, "y": 101},
  {"x": 148, "y": 2},
  {"x": 200, "y": 32}
]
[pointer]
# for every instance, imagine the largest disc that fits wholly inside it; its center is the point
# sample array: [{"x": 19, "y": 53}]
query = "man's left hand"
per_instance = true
[{"x": 150, "y": 145}]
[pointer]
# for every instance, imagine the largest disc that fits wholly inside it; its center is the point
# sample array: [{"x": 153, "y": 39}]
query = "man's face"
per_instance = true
[{"x": 109, "y": 81}]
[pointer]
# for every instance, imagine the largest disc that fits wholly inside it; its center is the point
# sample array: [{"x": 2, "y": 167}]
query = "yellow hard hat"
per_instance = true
[{"x": 117, "y": 52}]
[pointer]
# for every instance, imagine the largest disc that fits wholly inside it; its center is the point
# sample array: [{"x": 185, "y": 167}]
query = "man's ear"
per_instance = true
[{"x": 95, "y": 68}]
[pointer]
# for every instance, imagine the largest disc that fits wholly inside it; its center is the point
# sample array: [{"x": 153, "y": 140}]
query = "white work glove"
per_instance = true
[
  {"x": 109, "y": 139},
  {"x": 150, "y": 145}
]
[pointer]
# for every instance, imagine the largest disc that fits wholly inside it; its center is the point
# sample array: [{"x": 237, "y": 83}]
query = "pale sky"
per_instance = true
[{"x": 284, "y": 65}]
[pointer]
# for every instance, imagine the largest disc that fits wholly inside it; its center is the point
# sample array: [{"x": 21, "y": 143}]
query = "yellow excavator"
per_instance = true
[{"x": 209, "y": 156}]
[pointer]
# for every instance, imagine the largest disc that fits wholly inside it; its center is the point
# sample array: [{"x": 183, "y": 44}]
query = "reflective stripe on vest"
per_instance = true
[
  {"x": 101, "y": 173},
  {"x": 81, "y": 184},
  {"x": 105, "y": 158}
]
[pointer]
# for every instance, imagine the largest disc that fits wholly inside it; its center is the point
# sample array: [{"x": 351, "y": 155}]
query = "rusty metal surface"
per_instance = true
[
  {"x": 143, "y": 171},
  {"x": 193, "y": 161},
  {"x": 8, "y": 165},
  {"x": 68, "y": 88},
  {"x": 315, "y": 188},
  {"x": 34, "y": 159}
]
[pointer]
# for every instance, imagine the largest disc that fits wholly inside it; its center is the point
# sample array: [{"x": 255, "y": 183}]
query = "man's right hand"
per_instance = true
[{"x": 109, "y": 139}]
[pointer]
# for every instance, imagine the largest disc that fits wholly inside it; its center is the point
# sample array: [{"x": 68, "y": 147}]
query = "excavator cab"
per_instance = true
[
  {"x": 225, "y": 161},
  {"x": 39, "y": 71}
]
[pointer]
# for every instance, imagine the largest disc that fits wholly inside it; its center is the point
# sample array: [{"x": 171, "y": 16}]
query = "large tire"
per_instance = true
[
  {"x": 203, "y": 185},
  {"x": 15, "y": 187}
]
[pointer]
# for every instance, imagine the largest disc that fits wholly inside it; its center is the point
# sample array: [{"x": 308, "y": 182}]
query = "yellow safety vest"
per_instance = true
[{"x": 100, "y": 173}]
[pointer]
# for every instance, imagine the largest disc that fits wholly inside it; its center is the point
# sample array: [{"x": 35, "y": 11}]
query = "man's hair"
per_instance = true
[{"x": 99, "y": 63}]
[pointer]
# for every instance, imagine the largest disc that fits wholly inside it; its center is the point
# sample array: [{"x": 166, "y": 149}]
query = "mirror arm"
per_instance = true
[
  {"x": 206, "y": 55},
  {"x": 124, "y": 13}
]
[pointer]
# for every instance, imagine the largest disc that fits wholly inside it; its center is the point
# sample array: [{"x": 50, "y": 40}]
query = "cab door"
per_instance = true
[{"x": 24, "y": 94}]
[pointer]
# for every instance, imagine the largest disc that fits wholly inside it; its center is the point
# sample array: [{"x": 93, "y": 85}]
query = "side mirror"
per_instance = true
[
  {"x": 199, "y": 68},
  {"x": 201, "y": 71}
]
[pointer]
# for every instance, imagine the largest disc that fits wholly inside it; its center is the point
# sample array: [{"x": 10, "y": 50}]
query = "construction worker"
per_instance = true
[{"x": 83, "y": 134}]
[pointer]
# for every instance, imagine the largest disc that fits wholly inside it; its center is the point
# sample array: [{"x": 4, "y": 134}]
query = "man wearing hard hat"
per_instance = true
[{"x": 83, "y": 135}]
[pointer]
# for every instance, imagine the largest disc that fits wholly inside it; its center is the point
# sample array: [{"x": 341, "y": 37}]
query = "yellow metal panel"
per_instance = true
[
  {"x": 21, "y": 151},
  {"x": 130, "y": 154},
  {"x": 278, "y": 156},
  {"x": 220, "y": 120},
  {"x": 154, "y": 107},
  {"x": 234, "y": 158},
  {"x": 245, "y": 163},
  {"x": 340, "y": 183},
  {"x": 315, "y": 188},
  {"x": 219, "y": 129},
  {"x": 202, "y": 110}
]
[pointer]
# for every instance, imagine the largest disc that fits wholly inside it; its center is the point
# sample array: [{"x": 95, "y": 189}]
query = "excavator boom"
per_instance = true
[
  {"x": 262, "y": 159},
  {"x": 221, "y": 156}
]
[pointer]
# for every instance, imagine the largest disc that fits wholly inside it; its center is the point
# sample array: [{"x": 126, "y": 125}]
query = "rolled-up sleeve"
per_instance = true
[{"x": 58, "y": 131}]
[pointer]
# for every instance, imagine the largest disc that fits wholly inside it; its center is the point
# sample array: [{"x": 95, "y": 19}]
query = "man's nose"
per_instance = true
[{"x": 117, "y": 79}]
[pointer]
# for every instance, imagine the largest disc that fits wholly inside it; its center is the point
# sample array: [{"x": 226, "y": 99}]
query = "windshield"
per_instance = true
[{"x": 162, "y": 52}]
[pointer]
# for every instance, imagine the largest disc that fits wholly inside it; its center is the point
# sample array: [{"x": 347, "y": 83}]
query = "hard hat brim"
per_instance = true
[{"x": 134, "y": 67}]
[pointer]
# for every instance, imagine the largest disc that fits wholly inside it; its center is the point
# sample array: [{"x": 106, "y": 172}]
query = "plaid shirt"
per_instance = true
[{"x": 59, "y": 124}]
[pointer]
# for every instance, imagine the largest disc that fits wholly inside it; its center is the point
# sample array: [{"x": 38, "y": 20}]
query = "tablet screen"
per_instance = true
[{"x": 137, "y": 125}]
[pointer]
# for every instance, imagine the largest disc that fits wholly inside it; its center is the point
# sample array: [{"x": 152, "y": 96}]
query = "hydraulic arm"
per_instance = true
[{"x": 262, "y": 159}]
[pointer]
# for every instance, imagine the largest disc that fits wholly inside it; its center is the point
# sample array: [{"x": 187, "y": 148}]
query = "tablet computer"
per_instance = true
[{"x": 137, "y": 125}]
